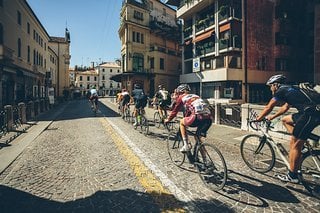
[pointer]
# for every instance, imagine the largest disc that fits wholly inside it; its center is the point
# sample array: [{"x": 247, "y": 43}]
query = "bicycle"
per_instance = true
[
  {"x": 127, "y": 113},
  {"x": 142, "y": 121},
  {"x": 157, "y": 118},
  {"x": 258, "y": 153},
  {"x": 206, "y": 158}
]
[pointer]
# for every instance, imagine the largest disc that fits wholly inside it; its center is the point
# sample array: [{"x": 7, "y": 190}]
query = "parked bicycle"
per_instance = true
[
  {"x": 142, "y": 121},
  {"x": 206, "y": 158},
  {"x": 258, "y": 152}
]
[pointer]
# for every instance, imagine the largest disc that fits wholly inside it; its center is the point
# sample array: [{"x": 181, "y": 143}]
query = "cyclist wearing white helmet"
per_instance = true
[
  {"x": 196, "y": 114},
  {"x": 299, "y": 125}
]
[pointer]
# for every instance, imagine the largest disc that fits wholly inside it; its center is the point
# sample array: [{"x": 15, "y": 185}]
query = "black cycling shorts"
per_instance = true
[
  {"x": 125, "y": 100},
  {"x": 202, "y": 122},
  {"x": 305, "y": 123}
]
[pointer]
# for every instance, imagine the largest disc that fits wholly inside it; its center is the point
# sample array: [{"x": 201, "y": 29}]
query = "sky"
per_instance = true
[{"x": 93, "y": 27}]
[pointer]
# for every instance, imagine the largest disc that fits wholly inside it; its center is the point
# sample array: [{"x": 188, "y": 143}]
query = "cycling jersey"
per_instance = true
[
  {"x": 196, "y": 114},
  {"x": 139, "y": 98},
  {"x": 125, "y": 98}
]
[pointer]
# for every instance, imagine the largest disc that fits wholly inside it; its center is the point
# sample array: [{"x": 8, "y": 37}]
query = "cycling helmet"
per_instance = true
[
  {"x": 183, "y": 87},
  {"x": 276, "y": 79},
  {"x": 136, "y": 86},
  {"x": 160, "y": 86}
]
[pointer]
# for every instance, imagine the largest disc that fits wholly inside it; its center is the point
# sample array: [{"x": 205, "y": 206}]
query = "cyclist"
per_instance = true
[
  {"x": 299, "y": 125},
  {"x": 196, "y": 114},
  {"x": 162, "y": 97},
  {"x": 140, "y": 101},
  {"x": 123, "y": 100},
  {"x": 94, "y": 96}
]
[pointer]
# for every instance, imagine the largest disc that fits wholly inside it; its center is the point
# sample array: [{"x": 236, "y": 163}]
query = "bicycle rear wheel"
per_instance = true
[
  {"x": 144, "y": 125},
  {"x": 174, "y": 144},
  {"x": 211, "y": 166},
  {"x": 310, "y": 172},
  {"x": 257, "y": 153},
  {"x": 127, "y": 115},
  {"x": 156, "y": 119}
]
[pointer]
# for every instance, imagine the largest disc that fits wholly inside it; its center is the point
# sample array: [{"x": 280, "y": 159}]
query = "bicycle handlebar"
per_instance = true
[{"x": 264, "y": 121}]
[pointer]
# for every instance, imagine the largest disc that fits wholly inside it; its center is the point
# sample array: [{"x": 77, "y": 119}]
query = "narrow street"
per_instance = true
[{"x": 87, "y": 163}]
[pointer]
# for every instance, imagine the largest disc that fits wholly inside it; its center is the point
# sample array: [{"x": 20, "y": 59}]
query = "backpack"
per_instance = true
[{"x": 312, "y": 92}]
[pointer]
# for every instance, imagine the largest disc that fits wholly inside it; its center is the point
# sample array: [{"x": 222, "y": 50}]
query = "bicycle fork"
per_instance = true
[{"x": 261, "y": 144}]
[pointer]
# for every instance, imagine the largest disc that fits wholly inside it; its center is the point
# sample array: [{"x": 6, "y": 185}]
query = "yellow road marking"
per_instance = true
[{"x": 162, "y": 197}]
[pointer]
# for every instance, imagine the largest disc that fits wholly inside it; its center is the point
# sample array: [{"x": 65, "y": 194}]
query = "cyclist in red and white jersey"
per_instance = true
[{"x": 196, "y": 114}]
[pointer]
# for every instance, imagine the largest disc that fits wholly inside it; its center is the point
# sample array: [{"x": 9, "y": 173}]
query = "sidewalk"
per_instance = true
[{"x": 11, "y": 148}]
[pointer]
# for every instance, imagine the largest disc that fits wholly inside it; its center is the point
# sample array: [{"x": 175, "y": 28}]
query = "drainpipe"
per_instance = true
[{"x": 244, "y": 48}]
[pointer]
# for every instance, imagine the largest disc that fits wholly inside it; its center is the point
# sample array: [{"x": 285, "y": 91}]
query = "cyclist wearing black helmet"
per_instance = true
[{"x": 300, "y": 124}]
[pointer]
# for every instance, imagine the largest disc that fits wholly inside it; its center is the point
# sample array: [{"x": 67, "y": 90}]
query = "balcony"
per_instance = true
[
  {"x": 6, "y": 54},
  {"x": 165, "y": 30},
  {"x": 205, "y": 23}
]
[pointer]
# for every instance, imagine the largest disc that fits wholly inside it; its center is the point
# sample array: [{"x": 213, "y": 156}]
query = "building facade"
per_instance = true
[
  {"x": 231, "y": 47},
  {"x": 27, "y": 55},
  {"x": 106, "y": 70},
  {"x": 85, "y": 79},
  {"x": 150, "y": 51}
]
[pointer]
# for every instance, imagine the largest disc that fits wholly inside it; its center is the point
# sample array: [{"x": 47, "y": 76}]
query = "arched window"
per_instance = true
[
  {"x": 1, "y": 34},
  {"x": 19, "y": 47}
]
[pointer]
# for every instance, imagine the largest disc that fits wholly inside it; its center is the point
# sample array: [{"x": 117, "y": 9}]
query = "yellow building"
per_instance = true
[
  {"x": 150, "y": 53},
  {"x": 30, "y": 61}
]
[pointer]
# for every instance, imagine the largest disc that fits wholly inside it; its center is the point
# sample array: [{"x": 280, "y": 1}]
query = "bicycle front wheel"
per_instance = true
[
  {"x": 211, "y": 166},
  {"x": 174, "y": 144},
  {"x": 156, "y": 119},
  {"x": 310, "y": 172},
  {"x": 257, "y": 153}
]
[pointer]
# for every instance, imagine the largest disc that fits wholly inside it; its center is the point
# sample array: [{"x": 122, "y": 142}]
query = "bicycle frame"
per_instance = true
[{"x": 275, "y": 145}]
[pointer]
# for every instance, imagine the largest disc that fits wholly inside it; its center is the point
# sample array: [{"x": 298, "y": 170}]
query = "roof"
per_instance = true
[
  {"x": 110, "y": 64},
  {"x": 58, "y": 39}
]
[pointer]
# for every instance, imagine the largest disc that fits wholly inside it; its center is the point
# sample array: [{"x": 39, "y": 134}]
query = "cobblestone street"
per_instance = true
[{"x": 83, "y": 163}]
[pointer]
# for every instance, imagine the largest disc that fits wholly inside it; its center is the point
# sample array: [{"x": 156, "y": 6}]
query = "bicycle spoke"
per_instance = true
[{"x": 174, "y": 144}]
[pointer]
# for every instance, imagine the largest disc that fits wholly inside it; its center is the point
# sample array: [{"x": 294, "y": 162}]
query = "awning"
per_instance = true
[
  {"x": 203, "y": 36},
  {"x": 224, "y": 27},
  {"x": 118, "y": 77}
]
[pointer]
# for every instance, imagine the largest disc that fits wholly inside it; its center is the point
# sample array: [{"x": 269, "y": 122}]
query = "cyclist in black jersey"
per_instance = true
[{"x": 300, "y": 124}]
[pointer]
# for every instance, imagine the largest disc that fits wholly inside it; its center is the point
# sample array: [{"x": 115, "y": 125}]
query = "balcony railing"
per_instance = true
[{"x": 6, "y": 53}]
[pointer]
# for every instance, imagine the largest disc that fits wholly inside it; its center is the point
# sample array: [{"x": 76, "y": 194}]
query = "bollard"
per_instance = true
[
  {"x": 9, "y": 113},
  {"x": 22, "y": 112}
]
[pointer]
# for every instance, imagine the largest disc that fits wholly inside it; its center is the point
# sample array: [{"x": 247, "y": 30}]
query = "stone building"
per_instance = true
[
  {"x": 31, "y": 60},
  {"x": 150, "y": 51}
]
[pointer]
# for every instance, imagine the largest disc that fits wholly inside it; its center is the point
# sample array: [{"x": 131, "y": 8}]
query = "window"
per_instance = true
[
  {"x": 102, "y": 70},
  {"x": 28, "y": 57},
  {"x": 137, "y": 62},
  {"x": 34, "y": 57},
  {"x": 19, "y": 17},
  {"x": 138, "y": 37},
  {"x": 133, "y": 36},
  {"x": 152, "y": 63},
  {"x": 28, "y": 28},
  {"x": 103, "y": 78},
  {"x": 281, "y": 64},
  {"x": 1, "y": 34},
  {"x": 142, "y": 39},
  {"x": 281, "y": 39},
  {"x": 19, "y": 47},
  {"x": 110, "y": 70},
  {"x": 162, "y": 63},
  {"x": 118, "y": 71},
  {"x": 88, "y": 78},
  {"x": 138, "y": 15},
  {"x": 34, "y": 35},
  {"x": 95, "y": 78},
  {"x": 80, "y": 79}
]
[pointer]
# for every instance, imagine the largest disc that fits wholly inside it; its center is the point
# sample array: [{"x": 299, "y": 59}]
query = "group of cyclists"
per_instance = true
[{"x": 197, "y": 113}]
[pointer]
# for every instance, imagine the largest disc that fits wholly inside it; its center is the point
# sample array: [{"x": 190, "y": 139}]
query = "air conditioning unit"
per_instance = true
[{"x": 228, "y": 92}]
